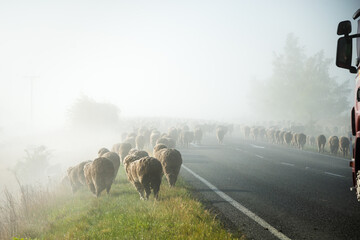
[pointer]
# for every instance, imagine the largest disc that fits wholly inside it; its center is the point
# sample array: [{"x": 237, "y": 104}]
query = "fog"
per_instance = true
[{"x": 158, "y": 59}]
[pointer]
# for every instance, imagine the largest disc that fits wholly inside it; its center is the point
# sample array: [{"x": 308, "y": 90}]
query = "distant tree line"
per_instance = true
[{"x": 301, "y": 88}]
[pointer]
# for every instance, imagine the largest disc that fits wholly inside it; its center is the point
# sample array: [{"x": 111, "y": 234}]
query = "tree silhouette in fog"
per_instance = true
[
  {"x": 301, "y": 88},
  {"x": 86, "y": 112}
]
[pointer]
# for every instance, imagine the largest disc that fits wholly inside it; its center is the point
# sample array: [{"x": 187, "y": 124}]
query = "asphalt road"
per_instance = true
[{"x": 303, "y": 195}]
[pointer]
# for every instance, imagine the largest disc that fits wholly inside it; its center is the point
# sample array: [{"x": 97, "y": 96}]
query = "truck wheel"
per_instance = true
[{"x": 358, "y": 185}]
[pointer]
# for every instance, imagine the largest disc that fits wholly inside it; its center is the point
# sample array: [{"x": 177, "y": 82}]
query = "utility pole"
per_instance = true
[{"x": 32, "y": 78}]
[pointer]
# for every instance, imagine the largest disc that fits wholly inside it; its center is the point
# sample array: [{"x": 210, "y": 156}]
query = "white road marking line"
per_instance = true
[
  {"x": 333, "y": 174},
  {"x": 256, "y": 146},
  {"x": 259, "y": 156},
  {"x": 240, "y": 207},
  {"x": 287, "y": 164}
]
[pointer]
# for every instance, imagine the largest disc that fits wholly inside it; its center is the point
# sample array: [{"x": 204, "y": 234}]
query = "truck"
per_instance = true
[{"x": 344, "y": 59}]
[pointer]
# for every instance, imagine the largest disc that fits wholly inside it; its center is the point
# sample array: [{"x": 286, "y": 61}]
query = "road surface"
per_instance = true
[{"x": 301, "y": 195}]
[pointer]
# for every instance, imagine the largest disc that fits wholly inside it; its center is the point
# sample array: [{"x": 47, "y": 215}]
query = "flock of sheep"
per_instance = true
[
  {"x": 299, "y": 140},
  {"x": 143, "y": 171}
]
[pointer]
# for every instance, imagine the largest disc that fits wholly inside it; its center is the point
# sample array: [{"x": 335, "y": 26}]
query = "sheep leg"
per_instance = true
[
  {"x": 139, "y": 187},
  {"x": 147, "y": 190},
  {"x": 92, "y": 188},
  {"x": 155, "y": 185}
]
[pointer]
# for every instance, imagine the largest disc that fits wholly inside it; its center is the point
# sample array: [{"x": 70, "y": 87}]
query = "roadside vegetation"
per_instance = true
[{"x": 58, "y": 214}]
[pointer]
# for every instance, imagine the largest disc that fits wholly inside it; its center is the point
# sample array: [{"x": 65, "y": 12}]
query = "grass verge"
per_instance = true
[{"x": 122, "y": 215}]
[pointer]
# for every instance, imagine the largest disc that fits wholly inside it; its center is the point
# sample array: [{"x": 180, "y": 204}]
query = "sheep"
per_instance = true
[
  {"x": 173, "y": 133},
  {"x": 171, "y": 161},
  {"x": 288, "y": 137},
  {"x": 169, "y": 142},
  {"x": 186, "y": 137},
  {"x": 138, "y": 153},
  {"x": 198, "y": 134},
  {"x": 155, "y": 135},
  {"x": 344, "y": 145},
  {"x": 115, "y": 148},
  {"x": 124, "y": 151},
  {"x": 254, "y": 132},
  {"x": 157, "y": 148},
  {"x": 300, "y": 140},
  {"x": 145, "y": 174},
  {"x": 144, "y": 131},
  {"x": 334, "y": 144},
  {"x": 220, "y": 133},
  {"x": 99, "y": 175},
  {"x": 115, "y": 159},
  {"x": 321, "y": 141},
  {"x": 76, "y": 176},
  {"x": 131, "y": 140},
  {"x": 102, "y": 151},
  {"x": 140, "y": 142}
]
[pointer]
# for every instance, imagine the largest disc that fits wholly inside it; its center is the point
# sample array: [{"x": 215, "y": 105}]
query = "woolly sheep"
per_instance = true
[
  {"x": 115, "y": 148},
  {"x": 124, "y": 150},
  {"x": 171, "y": 161},
  {"x": 169, "y": 142},
  {"x": 344, "y": 145},
  {"x": 145, "y": 174},
  {"x": 157, "y": 148},
  {"x": 76, "y": 176},
  {"x": 300, "y": 140},
  {"x": 334, "y": 144},
  {"x": 140, "y": 142},
  {"x": 186, "y": 137},
  {"x": 288, "y": 137},
  {"x": 115, "y": 159},
  {"x": 131, "y": 140},
  {"x": 220, "y": 133},
  {"x": 102, "y": 151},
  {"x": 155, "y": 135},
  {"x": 99, "y": 175},
  {"x": 321, "y": 141},
  {"x": 173, "y": 133}
]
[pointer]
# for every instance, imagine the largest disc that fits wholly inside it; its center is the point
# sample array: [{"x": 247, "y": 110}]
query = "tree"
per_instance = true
[
  {"x": 301, "y": 88},
  {"x": 86, "y": 112}
]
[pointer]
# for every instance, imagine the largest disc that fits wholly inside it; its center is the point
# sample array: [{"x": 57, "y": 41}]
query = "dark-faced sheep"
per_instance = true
[
  {"x": 171, "y": 163},
  {"x": 334, "y": 144},
  {"x": 145, "y": 174},
  {"x": 115, "y": 159},
  {"x": 99, "y": 175},
  {"x": 321, "y": 141},
  {"x": 344, "y": 145},
  {"x": 124, "y": 150},
  {"x": 76, "y": 176}
]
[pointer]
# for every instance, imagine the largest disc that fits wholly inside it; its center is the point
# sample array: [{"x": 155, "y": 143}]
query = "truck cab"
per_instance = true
[{"x": 344, "y": 59}]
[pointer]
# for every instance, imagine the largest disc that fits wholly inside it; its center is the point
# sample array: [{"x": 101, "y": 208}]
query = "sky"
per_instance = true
[{"x": 188, "y": 59}]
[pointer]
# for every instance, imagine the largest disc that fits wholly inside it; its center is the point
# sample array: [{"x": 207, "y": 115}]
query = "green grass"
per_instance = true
[{"x": 122, "y": 215}]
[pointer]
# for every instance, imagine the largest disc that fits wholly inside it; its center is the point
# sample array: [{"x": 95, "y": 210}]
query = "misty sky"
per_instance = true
[{"x": 191, "y": 59}]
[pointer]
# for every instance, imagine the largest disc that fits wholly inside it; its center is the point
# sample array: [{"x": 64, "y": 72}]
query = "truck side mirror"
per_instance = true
[
  {"x": 344, "y": 53},
  {"x": 344, "y": 28}
]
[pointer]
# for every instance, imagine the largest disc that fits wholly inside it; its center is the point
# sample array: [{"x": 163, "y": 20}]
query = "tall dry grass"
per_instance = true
[{"x": 22, "y": 209}]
